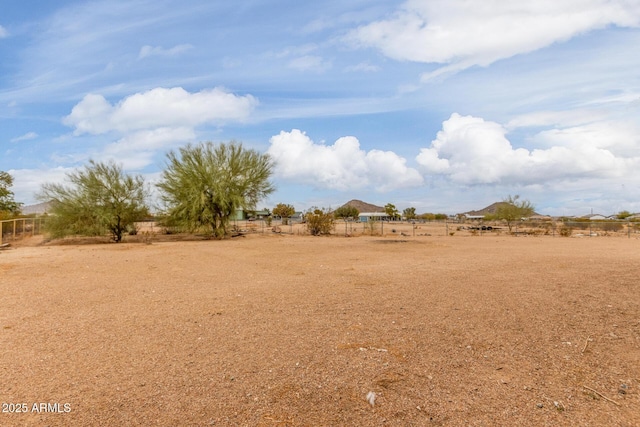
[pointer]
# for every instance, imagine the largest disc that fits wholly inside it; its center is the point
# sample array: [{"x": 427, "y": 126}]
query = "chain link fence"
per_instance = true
[
  {"x": 566, "y": 228},
  {"x": 15, "y": 229}
]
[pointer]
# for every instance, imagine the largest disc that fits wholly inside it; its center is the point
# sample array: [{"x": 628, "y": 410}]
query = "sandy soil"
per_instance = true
[{"x": 277, "y": 330}]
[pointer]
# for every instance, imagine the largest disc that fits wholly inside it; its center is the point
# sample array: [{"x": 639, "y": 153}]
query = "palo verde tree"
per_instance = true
[
  {"x": 409, "y": 213},
  {"x": 204, "y": 184},
  {"x": 98, "y": 199},
  {"x": 8, "y": 206},
  {"x": 514, "y": 209},
  {"x": 284, "y": 211}
]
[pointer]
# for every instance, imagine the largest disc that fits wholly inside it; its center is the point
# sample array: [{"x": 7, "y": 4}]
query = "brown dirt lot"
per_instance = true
[{"x": 277, "y": 330}]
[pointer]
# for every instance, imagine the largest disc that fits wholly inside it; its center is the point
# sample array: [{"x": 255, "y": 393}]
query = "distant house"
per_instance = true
[
  {"x": 594, "y": 217},
  {"x": 261, "y": 214},
  {"x": 373, "y": 216},
  {"x": 470, "y": 217},
  {"x": 241, "y": 215}
]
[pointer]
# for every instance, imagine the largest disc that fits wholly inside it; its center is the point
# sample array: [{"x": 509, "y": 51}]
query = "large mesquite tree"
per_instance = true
[{"x": 204, "y": 184}]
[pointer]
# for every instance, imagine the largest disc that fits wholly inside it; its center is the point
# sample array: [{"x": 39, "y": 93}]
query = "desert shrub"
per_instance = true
[
  {"x": 610, "y": 226},
  {"x": 565, "y": 231},
  {"x": 319, "y": 221},
  {"x": 133, "y": 230},
  {"x": 546, "y": 227},
  {"x": 147, "y": 237},
  {"x": 372, "y": 226},
  {"x": 427, "y": 217},
  {"x": 542, "y": 225},
  {"x": 537, "y": 232},
  {"x": 580, "y": 225}
]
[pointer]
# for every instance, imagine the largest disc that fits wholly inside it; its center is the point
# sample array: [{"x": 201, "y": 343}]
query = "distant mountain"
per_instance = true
[
  {"x": 40, "y": 208},
  {"x": 364, "y": 207},
  {"x": 491, "y": 210}
]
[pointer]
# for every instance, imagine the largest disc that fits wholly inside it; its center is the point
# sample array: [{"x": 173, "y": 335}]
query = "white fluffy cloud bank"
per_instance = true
[
  {"x": 158, "y": 107},
  {"x": 341, "y": 166},
  {"x": 149, "y": 122},
  {"x": 469, "y": 150},
  {"x": 464, "y": 33}
]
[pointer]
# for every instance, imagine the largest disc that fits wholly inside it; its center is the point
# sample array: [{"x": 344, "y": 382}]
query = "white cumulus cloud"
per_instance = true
[
  {"x": 341, "y": 166},
  {"x": 153, "y": 121},
  {"x": 158, "y": 107},
  {"x": 464, "y": 33},
  {"x": 469, "y": 150}
]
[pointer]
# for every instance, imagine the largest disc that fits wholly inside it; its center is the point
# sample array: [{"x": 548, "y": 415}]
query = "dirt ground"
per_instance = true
[{"x": 289, "y": 330}]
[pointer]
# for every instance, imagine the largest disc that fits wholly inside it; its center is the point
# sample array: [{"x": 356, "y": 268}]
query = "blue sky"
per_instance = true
[{"x": 444, "y": 105}]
